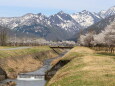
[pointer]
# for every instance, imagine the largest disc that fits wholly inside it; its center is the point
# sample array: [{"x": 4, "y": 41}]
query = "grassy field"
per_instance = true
[
  {"x": 12, "y": 53},
  {"x": 5, "y": 47},
  {"x": 86, "y": 68}
]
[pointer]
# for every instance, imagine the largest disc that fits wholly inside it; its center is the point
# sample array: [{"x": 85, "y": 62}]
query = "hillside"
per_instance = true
[{"x": 86, "y": 68}]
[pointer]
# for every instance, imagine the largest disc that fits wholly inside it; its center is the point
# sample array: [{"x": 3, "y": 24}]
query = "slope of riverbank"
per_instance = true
[
  {"x": 85, "y": 67},
  {"x": 15, "y": 61}
]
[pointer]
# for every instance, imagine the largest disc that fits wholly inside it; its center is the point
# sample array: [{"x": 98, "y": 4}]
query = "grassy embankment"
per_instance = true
[
  {"x": 86, "y": 68},
  {"x": 24, "y": 60},
  {"x": 17, "y": 52}
]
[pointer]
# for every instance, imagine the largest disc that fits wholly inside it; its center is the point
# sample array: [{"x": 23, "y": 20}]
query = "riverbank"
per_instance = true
[
  {"x": 15, "y": 61},
  {"x": 10, "y": 83},
  {"x": 83, "y": 67}
]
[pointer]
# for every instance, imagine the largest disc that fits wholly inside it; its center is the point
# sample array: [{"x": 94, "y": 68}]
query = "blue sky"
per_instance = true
[{"x": 10, "y": 8}]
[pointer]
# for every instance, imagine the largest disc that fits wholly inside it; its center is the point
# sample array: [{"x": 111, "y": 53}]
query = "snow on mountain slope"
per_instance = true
[
  {"x": 86, "y": 18},
  {"x": 70, "y": 23},
  {"x": 27, "y": 19},
  {"x": 102, "y": 13},
  {"x": 98, "y": 27},
  {"x": 64, "y": 21},
  {"x": 61, "y": 23},
  {"x": 107, "y": 13},
  {"x": 60, "y": 20}
]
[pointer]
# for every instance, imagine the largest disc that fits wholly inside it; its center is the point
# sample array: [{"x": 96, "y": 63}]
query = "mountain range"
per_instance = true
[
  {"x": 60, "y": 26},
  {"x": 97, "y": 27}
]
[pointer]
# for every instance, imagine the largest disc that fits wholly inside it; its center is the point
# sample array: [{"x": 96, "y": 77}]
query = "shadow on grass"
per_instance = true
[{"x": 107, "y": 54}]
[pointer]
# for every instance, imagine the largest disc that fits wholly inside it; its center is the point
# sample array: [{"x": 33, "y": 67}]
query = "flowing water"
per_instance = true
[{"x": 35, "y": 78}]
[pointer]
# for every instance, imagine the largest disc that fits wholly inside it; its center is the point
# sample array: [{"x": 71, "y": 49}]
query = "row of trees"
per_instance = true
[
  {"x": 14, "y": 40},
  {"x": 28, "y": 41},
  {"x": 104, "y": 39}
]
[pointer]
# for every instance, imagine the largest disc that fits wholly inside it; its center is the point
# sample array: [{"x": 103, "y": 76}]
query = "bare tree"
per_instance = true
[{"x": 3, "y": 36}]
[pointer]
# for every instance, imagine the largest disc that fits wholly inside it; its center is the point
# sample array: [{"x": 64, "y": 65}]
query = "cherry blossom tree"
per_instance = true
[
  {"x": 86, "y": 40},
  {"x": 105, "y": 38}
]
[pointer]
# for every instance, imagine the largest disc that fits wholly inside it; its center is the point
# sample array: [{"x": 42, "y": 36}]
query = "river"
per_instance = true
[{"x": 31, "y": 81}]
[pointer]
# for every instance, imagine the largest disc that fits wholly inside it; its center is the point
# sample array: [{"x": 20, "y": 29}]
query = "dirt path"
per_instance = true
[{"x": 15, "y": 48}]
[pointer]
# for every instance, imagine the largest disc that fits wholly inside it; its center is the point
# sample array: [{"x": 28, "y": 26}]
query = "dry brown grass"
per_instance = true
[{"x": 87, "y": 69}]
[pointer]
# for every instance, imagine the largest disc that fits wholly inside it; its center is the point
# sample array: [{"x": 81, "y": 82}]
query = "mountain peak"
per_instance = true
[
  {"x": 86, "y": 18},
  {"x": 39, "y": 13},
  {"x": 107, "y": 13},
  {"x": 103, "y": 11},
  {"x": 61, "y": 12},
  {"x": 85, "y": 11},
  {"x": 112, "y": 8},
  {"x": 29, "y": 14}
]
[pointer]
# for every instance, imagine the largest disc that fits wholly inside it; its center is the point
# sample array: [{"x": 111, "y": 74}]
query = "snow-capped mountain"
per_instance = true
[
  {"x": 64, "y": 21},
  {"x": 107, "y": 13},
  {"x": 58, "y": 26},
  {"x": 27, "y": 19},
  {"x": 98, "y": 27},
  {"x": 60, "y": 20},
  {"x": 86, "y": 18},
  {"x": 102, "y": 13},
  {"x": 61, "y": 24}
]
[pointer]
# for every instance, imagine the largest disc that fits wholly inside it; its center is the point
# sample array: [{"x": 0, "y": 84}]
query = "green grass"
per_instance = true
[
  {"x": 105, "y": 54},
  {"x": 13, "y": 53}
]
